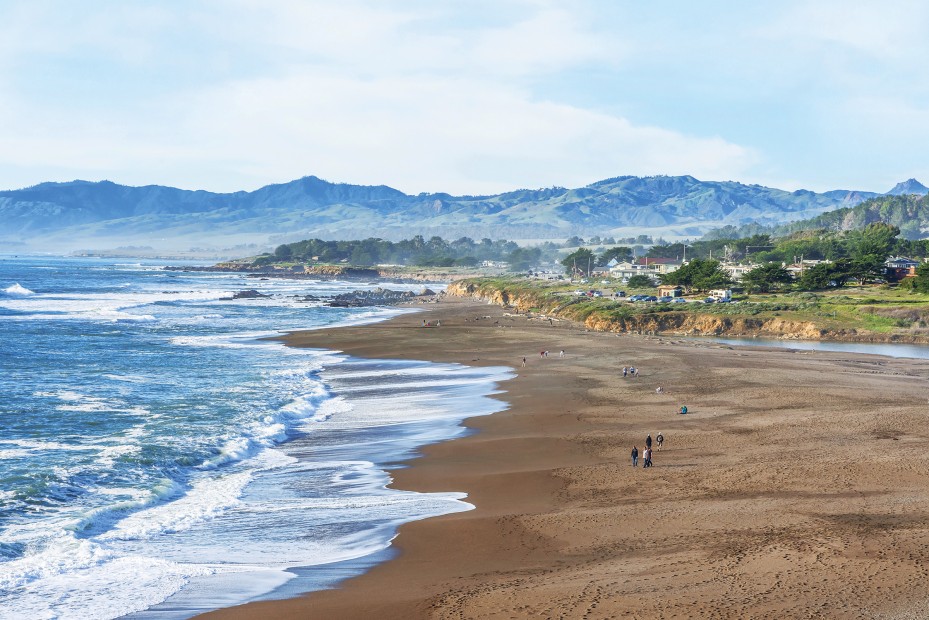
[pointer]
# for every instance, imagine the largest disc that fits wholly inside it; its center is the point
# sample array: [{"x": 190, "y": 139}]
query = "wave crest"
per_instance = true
[{"x": 18, "y": 290}]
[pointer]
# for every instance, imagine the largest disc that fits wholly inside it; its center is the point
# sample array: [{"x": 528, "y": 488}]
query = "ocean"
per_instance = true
[{"x": 159, "y": 456}]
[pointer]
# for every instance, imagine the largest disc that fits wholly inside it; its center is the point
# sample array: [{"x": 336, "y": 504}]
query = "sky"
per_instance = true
[{"x": 464, "y": 96}]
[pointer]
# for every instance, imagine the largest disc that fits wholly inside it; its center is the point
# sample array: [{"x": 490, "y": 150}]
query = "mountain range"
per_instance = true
[{"x": 81, "y": 214}]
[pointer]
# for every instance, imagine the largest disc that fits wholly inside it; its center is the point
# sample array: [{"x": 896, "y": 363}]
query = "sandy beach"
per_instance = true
[{"x": 797, "y": 486}]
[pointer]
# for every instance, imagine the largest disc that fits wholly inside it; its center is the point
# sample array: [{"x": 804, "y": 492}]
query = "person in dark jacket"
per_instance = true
[{"x": 635, "y": 456}]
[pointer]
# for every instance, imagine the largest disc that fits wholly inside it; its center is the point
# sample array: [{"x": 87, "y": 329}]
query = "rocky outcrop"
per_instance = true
[
  {"x": 249, "y": 294},
  {"x": 375, "y": 297}
]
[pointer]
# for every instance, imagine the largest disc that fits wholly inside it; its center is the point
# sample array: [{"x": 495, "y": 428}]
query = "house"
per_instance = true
[
  {"x": 797, "y": 269},
  {"x": 644, "y": 266},
  {"x": 899, "y": 267},
  {"x": 660, "y": 265},
  {"x": 625, "y": 270},
  {"x": 737, "y": 271},
  {"x": 670, "y": 291}
]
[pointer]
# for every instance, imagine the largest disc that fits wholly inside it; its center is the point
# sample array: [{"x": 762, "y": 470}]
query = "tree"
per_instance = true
[
  {"x": 620, "y": 253},
  {"x": 573, "y": 242},
  {"x": 283, "y": 252},
  {"x": 522, "y": 259},
  {"x": 825, "y": 275},
  {"x": 579, "y": 261},
  {"x": 640, "y": 281},
  {"x": 920, "y": 284},
  {"x": 699, "y": 274},
  {"x": 875, "y": 239},
  {"x": 360, "y": 256},
  {"x": 867, "y": 268},
  {"x": 869, "y": 248},
  {"x": 765, "y": 277}
]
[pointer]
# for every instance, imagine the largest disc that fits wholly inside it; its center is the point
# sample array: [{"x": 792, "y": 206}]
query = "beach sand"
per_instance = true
[{"x": 797, "y": 486}]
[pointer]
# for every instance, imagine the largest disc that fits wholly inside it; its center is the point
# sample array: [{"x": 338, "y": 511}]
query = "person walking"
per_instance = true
[
  {"x": 635, "y": 456},
  {"x": 659, "y": 440},
  {"x": 625, "y": 371},
  {"x": 647, "y": 458},
  {"x": 648, "y": 441}
]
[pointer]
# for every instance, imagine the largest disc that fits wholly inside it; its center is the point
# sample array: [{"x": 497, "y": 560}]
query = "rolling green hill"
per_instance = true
[{"x": 908, "y": 212}]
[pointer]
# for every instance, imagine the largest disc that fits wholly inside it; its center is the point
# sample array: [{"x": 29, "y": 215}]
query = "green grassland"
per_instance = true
[{"x": 872, "y": 309}]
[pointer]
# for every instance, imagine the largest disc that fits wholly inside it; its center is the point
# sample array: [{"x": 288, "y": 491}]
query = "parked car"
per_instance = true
[
  {"x": 650, "y": 298},
  {"x": 666, "y": 299},
  {"x": 709, "y": 300},
  {"x": 620, "y": 293},
  {"x": 678, "y": 300}
]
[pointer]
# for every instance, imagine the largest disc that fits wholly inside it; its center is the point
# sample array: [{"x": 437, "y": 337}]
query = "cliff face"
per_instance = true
[
  {"x": 501, "y": 297},
  {"x": 679, "y": 323},
  {"x": 690, "y": 324}
]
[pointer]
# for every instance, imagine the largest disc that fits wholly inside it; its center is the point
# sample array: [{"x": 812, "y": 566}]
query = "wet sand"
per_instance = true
[{"x": 797, "y": 486}]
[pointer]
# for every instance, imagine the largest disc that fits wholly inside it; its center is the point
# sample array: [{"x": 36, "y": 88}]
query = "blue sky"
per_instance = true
[{"x": 464, "y": 96}]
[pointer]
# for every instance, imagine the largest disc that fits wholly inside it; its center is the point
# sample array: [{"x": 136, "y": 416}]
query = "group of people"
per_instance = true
[
  {"x": 647, "y": 453},
  {"x": 630, "y": 371},
  {"x": 544, "y": 354}
]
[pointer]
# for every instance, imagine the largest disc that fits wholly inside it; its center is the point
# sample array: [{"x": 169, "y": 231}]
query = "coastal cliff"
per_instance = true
[{"x": 683, "y": 323}]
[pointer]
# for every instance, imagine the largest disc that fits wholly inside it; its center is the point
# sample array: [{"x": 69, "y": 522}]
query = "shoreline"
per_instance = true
[{"x": 770, "y": 499}]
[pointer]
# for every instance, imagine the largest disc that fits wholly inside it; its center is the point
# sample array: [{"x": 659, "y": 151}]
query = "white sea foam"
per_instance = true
[
  {"x": 208, "y": 498},
  {"x": 13, "y": 453},
  {"x": 272, "y": 428},
  {"x": 108, "y": 455},
  {"x": 107, "y": 307},
  {"x": 126, "y": 378},
  {"x": 18, "y": 290},
  {"x": 83, "y": 581},
  {"x": 43, "y": 445}
]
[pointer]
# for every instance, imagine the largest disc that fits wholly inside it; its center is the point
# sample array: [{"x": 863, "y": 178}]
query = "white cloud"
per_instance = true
[
  {"x": 453, "y": 135},
  {"x": 471, "y": 96},
  {"x": 886, "y": 30},
  {"x": 420, "y": 98}
]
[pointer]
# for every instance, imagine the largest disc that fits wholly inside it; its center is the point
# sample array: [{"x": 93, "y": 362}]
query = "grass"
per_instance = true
[{"x": 878, "y": 309}]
